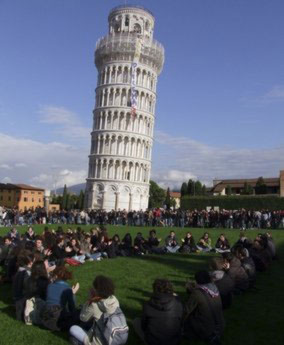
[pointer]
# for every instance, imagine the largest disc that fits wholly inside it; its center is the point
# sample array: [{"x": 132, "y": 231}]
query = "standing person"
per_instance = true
[
  {"x": 203, "y": 311},
  {"x": 171, "y": 243},
  {"x": 103, "y": 308},
  {"x": 161, "y": 320}
]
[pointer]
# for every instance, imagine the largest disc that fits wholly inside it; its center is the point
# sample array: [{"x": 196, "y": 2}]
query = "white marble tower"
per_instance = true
[{"x": 128, "y": 60}]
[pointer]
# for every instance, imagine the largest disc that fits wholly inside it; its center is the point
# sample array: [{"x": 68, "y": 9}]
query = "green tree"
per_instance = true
[
  {"x": 250, "y": 189},
  {"x": 64, "y": 198},
  {"x": 156, "y": 195},
  {"x": 183, "y": 190},
  {"x": 204, "y": 190},
  {"x": 81, "y": 200},
  {"x": 168, "y": 198},
  {"x": 68, "y": 202},
  {"x": 260, "y": 187},
  {"x": 190, "y": 187},
  {"x": 229, "y": 190},
  {"x": 197, "y": 188}
]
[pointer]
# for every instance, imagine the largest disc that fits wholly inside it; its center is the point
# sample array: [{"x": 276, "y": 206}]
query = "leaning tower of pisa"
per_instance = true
[{"x": 128, "y": 61}]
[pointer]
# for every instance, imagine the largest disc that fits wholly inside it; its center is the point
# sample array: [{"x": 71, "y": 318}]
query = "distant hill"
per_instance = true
[{"x": 76, "y": 189}]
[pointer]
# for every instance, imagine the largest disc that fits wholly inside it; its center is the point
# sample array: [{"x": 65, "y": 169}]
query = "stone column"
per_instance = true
[
  {"x": 46, "y": 200},
  {"x": 103, "y": 199},
  {"x": 116, "y": 201},
  {"x": 130, "y": 201}
]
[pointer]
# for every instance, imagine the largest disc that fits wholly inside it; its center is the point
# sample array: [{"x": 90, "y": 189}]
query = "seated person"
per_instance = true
[
  {"x": 222, "y": 280},
  {"x": 153, "y": 243},
  {"x": 204, "y": 243},
  {"x": 188, "y": 244},
  {"x": 248, "y": 264},
  {"x": 60, "y": 310},
  {"x": 25, "y": 261},
  {"x": 126, "y": 245},
  {"x": 222, "y": 245},
  {"x": 236, "y": 271},
  {"x": 203, "y": 310},
  {"x": 171, "y": 243},
  {"x": 139, "y": 244},
  {"x": 161, "y": 321},
  {"x": 101, "y": 302}
]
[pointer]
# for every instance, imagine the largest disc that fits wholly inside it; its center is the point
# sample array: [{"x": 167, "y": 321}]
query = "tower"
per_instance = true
[{"x": 128, "y": 61}]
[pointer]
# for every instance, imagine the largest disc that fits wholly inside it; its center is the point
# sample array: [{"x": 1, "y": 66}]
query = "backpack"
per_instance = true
[{"x": 115, "y": 331}]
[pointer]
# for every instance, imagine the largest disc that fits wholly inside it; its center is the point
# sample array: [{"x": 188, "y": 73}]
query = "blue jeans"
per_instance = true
[{"x": 77, "y": 335}]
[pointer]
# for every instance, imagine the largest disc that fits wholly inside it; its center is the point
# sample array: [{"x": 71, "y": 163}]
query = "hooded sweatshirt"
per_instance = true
[{"x": 95, "y": 310}]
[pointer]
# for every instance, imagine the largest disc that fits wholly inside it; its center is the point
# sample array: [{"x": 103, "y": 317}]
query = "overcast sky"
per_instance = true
[{"x": 220, "y": 95}]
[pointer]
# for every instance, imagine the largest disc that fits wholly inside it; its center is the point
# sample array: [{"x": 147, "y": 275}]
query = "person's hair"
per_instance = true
[
  {"x": 153, "y": 231},
  {"x": 241, "y": 252},
  {"x": 61, "y": 273},
  {"x": 216, "y": 264},
  {"x": 38, "y": 270},
  {"x": 116, "y": 238},
  {"x": 59, "y": 239},
  {"x": 7, "y": 238},
  {"x": 24, "y": 258},
  {"x": 228, "y": 256},
  {"x": 163, "y": 286},
  {"x": 202, "y": 277},
  {"x": 104, "y": 286}
]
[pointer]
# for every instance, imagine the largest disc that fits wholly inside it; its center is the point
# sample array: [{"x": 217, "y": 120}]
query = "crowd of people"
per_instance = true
[
  {"x": 37, "y": 268},
  {"x": 227, "y": 219}
]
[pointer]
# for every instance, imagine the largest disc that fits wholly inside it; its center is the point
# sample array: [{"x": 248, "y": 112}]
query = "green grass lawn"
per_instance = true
[{"x": 256, "y": 318}]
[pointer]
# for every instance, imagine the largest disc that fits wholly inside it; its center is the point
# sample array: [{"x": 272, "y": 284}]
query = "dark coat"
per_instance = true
[
  {"x": 204, "y": 315},
  {"x": 225, "y": 285},
  {"x": 239, "y": 275},
  {"x": 162, "y": 320}
]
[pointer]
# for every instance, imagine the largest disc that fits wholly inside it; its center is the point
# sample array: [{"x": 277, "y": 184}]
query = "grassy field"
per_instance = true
[{"x": 256, "y": 318}]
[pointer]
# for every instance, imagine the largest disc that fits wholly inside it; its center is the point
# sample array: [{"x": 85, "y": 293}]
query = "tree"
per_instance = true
[
  {"x": 190, "y": 187},
  {"x": 64, "y": 198},
  {"x": 183, "y": 190},
  {"x": 260, "y": 187},
  {"x": 229, "y": 189},
  {"x": 68, "y": 202},
  {"x": 204, "y": 190},
  {"x": 168, "y": 199},
  {"x": 156, "y": 195},
  {"x": 248, "y": 189},
  {"x": 81, "y": 200},
  {"x": 197, "y": 188}
]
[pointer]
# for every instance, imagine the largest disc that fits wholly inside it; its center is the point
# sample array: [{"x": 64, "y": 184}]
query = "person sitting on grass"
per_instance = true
[
  {"x": 25, "y": 261},
  {"x": 126, "y": 245},
  {"x": 87, "y": 249},
  {"x": 222, "y": 245},
  {"x": 233, "y": 266},
  {"x": 139, "y": 244},
  {"x": 247, "y": 263},
  {"x": 188, "y": 244},
  {"x": 171, "y": 243},
  {"x": 204, "y": 318},
  {"x": 204, "y": 243},
  {"x": 102, "y": 308},
  {"x": 161, "y": 321},
  {"x": 60, "y": 310},
  {"x": 222, "y": 280},
  {"x": 153, "y": 243}
]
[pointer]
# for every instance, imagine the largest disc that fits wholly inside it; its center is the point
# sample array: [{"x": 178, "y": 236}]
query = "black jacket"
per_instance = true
[{"x": 162, "y": 320}]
